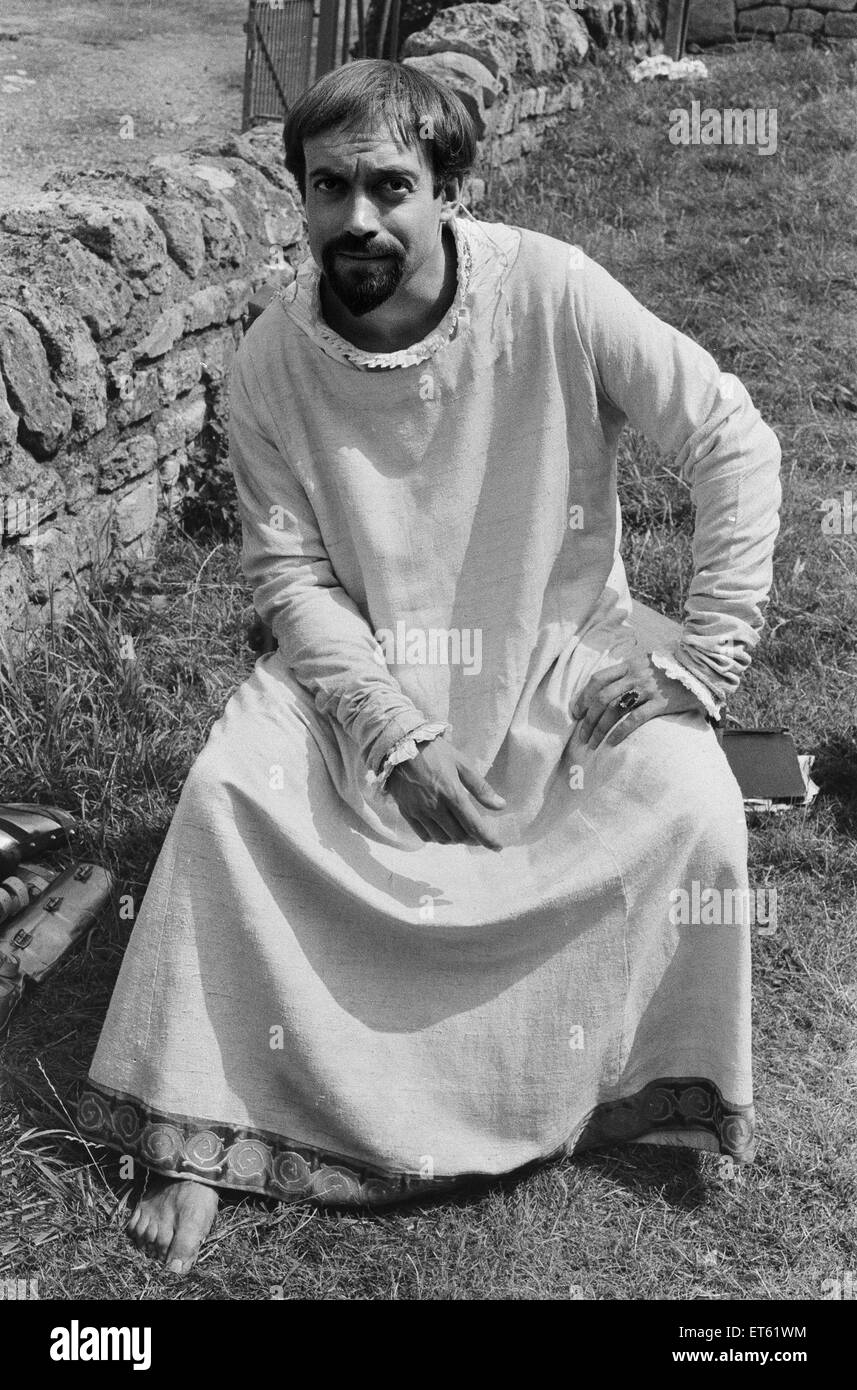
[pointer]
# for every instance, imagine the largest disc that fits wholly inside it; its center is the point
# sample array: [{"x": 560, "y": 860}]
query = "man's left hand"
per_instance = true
[{"x": 658, "y": 694}]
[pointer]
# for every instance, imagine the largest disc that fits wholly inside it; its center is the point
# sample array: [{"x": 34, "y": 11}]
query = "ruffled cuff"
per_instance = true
[
  {"x": 405, "y": 749},
  {"x": 666, "y": 662}
]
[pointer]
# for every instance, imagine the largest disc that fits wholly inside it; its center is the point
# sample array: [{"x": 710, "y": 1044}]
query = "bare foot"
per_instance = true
[{"x": 172, "y": 1219}]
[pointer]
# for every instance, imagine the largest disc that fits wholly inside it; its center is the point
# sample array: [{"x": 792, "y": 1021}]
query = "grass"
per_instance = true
[{"x": 753, "y": 257}]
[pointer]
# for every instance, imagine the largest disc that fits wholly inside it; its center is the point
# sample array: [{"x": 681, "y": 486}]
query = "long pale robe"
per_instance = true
[{"x": 315, "y": 1002}]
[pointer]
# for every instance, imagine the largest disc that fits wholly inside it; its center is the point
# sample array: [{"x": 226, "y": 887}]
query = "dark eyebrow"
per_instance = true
[{"x": 381, "y": 169}]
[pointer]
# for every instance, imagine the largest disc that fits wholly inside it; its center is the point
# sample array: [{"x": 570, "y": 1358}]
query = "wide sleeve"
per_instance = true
[
  {"x": 672, "y": 391},
  {"x": 323, "y": 637}
]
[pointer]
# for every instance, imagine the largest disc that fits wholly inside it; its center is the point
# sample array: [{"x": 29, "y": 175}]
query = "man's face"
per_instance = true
[{"x": 368, "y": 196}]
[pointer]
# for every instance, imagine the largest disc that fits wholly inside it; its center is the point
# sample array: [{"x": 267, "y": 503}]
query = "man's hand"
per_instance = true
[
  {"x": 596, "y": 704},
  {"x": 439, "y": 794}
]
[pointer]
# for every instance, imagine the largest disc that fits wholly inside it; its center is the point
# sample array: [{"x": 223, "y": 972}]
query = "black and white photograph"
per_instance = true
[{"x": 428, "y": 667}]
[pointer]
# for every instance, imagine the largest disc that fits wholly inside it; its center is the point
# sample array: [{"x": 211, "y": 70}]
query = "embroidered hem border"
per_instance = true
[{"x": 255, "y": 1160}]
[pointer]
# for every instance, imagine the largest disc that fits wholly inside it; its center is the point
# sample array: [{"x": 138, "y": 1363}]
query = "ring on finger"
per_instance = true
[{"x": 627, "y": 702}]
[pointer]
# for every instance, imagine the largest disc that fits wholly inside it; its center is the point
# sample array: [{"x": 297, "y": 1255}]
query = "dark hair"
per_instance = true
[{"x": 373, "y": 92}]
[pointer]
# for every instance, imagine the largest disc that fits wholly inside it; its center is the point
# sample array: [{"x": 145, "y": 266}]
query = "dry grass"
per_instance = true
[{"x": 753, "y": 256}]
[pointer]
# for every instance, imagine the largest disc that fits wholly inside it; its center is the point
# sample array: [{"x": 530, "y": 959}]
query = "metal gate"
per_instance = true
[
  {"x": 278, "y": 62},
  {"x": 675, "y": 35},
  {"x": 290, "y": 43}
]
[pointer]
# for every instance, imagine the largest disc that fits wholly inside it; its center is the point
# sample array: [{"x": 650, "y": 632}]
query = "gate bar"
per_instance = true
[{"x": 328, "y": 23}]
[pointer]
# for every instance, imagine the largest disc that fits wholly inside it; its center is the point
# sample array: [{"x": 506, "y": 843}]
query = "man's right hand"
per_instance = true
[{"x": 439, "y": 795}]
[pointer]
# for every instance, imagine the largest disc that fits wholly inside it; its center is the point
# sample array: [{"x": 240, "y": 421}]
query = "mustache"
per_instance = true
[{"x": 364, "y": 250}]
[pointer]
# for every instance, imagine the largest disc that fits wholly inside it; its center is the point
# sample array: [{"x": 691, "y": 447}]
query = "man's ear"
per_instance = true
[{"x": 451, "y": 195}]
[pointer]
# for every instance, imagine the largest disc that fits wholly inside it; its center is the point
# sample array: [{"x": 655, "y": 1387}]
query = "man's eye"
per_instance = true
[{"x": 404, "y": 186}]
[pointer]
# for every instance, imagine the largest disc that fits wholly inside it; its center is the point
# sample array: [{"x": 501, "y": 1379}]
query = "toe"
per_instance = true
[
  {"x": 149, "y": 1235},
  {"x": 137, "y": 1232},
  {"x": 175, "y": 1264},
  {"x": 182, "y": 1253},
  {"x": 190, "y": 1232},
  {"x": 163, "y": 1240}
]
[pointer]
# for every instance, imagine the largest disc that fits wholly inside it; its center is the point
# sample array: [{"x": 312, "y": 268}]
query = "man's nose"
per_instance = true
[{"x": 362, "y": 216}]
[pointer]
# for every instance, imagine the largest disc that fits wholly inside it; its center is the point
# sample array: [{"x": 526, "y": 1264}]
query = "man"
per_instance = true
[{"x": 413, "y": 919}]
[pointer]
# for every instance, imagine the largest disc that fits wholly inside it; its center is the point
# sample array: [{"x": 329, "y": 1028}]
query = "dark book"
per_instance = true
[{"x": 765, "y": 764}]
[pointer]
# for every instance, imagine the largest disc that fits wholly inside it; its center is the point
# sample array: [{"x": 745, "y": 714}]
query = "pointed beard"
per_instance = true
[{"x": 362, "y": 288}]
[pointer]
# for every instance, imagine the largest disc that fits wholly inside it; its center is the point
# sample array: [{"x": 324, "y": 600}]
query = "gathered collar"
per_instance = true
[{"x": 302, "y": 301}]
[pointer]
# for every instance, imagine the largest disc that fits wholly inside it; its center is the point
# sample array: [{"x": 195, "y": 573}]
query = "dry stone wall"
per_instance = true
[
  {"x": 123, "y": 295},
  {"x": 607, "y": 21},
  {"x": 518, "y": 66},
  {"x": 794, "y": 23}
]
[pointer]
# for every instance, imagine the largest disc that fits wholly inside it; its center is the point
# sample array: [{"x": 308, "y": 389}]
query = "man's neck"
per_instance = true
[{"x": 391, "y": 332}]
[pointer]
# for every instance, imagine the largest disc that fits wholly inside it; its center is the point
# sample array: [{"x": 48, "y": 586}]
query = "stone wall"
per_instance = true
[
  {"x": 123, "y": 295},
  {"x": 518, "y": 66},
  {"x": 605, "y": 20},
  {"x": 796, "y": 23}
]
